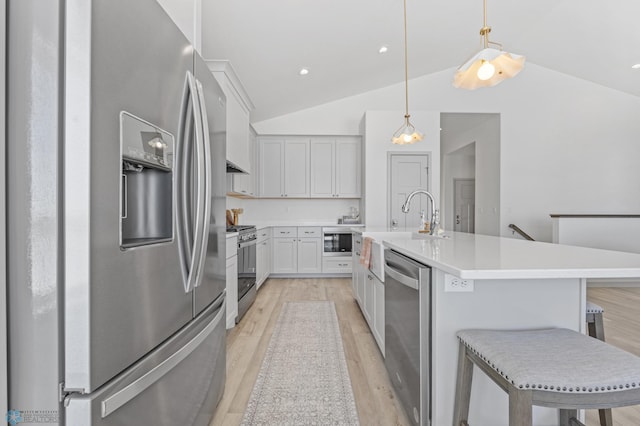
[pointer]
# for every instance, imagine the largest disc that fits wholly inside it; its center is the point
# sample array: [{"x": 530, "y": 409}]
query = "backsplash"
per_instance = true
[{"x": 293, "y": 210}]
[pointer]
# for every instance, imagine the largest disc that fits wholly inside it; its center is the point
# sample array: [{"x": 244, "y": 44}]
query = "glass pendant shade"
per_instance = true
[
  {"x": 476, "y": 72},
  {"x": 406, "y": 134}
]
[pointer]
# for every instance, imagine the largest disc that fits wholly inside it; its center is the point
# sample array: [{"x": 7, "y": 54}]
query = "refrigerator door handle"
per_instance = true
[
  {"x": 115, "y": 401},
  {"x": 192, "y": 229},
  {"x": 206, "y": 184},
  {"x": 184, "y": 156}
]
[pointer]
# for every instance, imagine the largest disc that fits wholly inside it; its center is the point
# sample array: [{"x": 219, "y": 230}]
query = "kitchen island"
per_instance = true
[{"x": 511, "y": 284}]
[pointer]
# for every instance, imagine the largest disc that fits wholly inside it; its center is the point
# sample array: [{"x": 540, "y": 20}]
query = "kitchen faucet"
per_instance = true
[{"x": 407, "y": 203}]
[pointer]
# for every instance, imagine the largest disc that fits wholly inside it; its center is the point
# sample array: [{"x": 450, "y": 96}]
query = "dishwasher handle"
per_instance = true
[{"x": 401, "y": 278}]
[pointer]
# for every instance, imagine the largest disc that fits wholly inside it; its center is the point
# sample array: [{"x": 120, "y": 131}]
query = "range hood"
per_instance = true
[{"x": 232, "y": 168}]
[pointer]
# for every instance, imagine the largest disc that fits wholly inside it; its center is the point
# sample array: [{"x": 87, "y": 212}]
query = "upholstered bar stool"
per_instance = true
[{"x": 556, "y": 368}]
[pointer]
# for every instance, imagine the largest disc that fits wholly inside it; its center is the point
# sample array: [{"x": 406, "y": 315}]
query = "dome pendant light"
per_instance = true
[
  {"x": 407, "y": 133},
  {"x": 489, "y": 66}
]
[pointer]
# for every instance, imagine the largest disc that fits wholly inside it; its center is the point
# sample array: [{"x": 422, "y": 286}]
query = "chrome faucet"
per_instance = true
[{"x": 407, "y": 203}]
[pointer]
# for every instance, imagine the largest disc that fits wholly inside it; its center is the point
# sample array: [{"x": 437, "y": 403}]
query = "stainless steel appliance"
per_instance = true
[
  {"x": 336, "y": 241},
  {"x": 247, "y": 238},
  {"x": 116, "y": 198},
  {"x": 407, "y": 302}
]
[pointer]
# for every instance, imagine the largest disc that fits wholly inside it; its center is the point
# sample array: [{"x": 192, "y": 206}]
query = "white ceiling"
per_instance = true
[{"x": 267, "y": 43}]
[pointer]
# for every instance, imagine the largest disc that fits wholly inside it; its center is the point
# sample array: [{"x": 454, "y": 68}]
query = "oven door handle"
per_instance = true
[
  {"x": 401, "y": 278},
  {"x": 246, "y": 244},
  {"x": 337, "y": 231}
]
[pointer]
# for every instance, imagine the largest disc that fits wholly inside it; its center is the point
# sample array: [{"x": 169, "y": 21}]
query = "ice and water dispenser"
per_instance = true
[{"x": 146, "y": 188}]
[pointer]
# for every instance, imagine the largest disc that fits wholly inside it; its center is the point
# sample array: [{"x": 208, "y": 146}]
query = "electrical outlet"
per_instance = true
[{"x": 453, "y": 283}]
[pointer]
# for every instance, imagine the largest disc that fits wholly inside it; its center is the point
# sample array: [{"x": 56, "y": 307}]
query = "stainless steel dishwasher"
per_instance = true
[{"x": 407, "y": 304}]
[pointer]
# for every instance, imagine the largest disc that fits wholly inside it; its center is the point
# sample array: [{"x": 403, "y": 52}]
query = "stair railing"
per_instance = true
[{"x": 523, "y": 234}]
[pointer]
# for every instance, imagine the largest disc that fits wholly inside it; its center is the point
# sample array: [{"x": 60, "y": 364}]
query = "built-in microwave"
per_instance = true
[{"x": 336, "y": 241}]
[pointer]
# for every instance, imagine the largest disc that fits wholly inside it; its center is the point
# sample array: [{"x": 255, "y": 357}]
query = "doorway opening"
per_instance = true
[
  {"x": 464, "y": 204},
  {"x": 470, "y": 152}
]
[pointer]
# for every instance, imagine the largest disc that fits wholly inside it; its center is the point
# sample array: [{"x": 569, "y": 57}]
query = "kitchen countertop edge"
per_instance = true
[{"x": 471, "y": 256}]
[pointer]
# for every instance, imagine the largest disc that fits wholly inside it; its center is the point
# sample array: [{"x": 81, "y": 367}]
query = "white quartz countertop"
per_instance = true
[{"x": 473, "y": 256}]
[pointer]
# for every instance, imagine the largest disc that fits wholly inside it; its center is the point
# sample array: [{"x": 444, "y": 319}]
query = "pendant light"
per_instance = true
[
  {"x": 489, "y": 66},
  {"x": 407, "y": 133}
]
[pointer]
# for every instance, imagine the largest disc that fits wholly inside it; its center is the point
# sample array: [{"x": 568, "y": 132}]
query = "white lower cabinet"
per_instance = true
[
  {"x": 368, "y": 290},
  {"x": 285, "y": 255},
  {"x": 232, "y": 281},
  {"x": 336, "y": 265},
  {"x": 368, "y": 305},
  {"x": 263, "y": 256},
  {"x": 362, "y": 276},
  {"x": 356, "y": 271},
  {"x": 310, "y": 255},
  {"x": 378, "y": 313},
  {"x": 297, "y": 250}
]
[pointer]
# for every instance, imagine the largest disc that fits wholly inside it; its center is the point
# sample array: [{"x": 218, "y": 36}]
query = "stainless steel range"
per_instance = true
[{"x": 247, "y": 235}]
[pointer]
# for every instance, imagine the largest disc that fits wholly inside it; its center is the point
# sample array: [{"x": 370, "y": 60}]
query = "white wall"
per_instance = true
[
  {"x": 378, "y": 128},
  {"x": 280, "y": 211},
  {"x": 187, "y": 16},
  {"x": 566, "y": 144}
]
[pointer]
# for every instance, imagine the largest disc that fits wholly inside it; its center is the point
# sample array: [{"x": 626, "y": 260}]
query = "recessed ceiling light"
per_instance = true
[
  {"x": 636, "y": 66},
  {"x": 303, "y": 71},
  {"x": 383, "y": 49}
]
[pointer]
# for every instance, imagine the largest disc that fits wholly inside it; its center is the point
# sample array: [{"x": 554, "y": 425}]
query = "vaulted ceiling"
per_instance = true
[{"x": 268, "y": 42}]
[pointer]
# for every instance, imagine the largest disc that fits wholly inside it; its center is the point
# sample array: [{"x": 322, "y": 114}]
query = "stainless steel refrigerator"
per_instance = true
[{"x": 115, "y": 217}]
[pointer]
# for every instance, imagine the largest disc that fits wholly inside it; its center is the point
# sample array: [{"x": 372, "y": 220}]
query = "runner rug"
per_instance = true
[{"x": 304, "y": 378}]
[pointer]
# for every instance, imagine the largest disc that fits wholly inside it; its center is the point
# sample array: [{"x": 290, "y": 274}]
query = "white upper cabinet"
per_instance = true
[
  {"x": 246, "y": 184},
  {"x": 271, "y": 154},
  {"x": 316, "y": 167},
  {"x": 239, "y": 107},
  {"x": 323, "y": 175},
  {"x": 284, "y": 167},
  {"x": 296, "y": 168},
  {"x": 348, "y": 167},
  {"x": 336, "y": 167}
]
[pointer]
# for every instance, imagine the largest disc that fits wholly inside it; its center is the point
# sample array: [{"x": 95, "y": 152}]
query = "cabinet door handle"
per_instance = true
[{"x": 370, "y": 277}]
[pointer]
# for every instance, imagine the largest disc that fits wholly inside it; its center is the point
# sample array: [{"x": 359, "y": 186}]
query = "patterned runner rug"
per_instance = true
[{"x": 304, "y": 378}]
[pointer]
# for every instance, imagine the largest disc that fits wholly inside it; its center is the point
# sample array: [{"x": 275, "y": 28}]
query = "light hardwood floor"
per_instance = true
[
  {"x": 248, "y": 341},
  {"x": 621, "y": 329}
]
